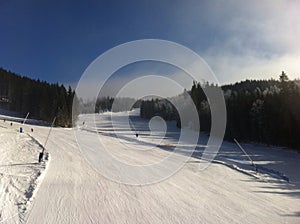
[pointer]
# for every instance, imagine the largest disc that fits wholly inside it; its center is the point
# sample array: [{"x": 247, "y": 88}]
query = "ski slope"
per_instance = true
[{"x": 228, "y": 191}]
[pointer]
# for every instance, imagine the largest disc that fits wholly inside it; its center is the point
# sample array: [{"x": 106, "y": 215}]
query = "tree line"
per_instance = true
[
  {"x": 107, "y": 103},
  {"x": 42, "y": 100},
  {"x": 266, "y": 111}
]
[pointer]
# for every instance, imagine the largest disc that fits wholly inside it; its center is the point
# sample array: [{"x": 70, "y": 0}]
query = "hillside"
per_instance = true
[
  {"x": 42, "y": 100},
  {"x": 266, "y": 111}
]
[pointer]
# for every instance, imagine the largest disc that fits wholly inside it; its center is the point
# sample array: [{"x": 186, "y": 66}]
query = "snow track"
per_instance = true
[{"x": 72, "y": 191}]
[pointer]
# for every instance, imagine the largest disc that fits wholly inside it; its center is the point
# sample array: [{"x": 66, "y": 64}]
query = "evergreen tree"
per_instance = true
[
  {"x": 265, "y": 111},
  {"x": 42, "y": 100}
]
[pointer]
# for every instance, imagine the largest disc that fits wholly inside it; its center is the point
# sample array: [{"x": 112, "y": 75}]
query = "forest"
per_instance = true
[
  {"x": 265, "y": 111},
  {"x": 107, "y": 103},
  {"x": 42, "y": 100}
]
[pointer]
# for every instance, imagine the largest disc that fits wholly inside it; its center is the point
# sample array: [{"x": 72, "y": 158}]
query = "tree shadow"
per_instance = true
[
  {"x": 295, "y": 214},
  {"x": 269, "y": 167},
  {"x": 20, "y": 164}
]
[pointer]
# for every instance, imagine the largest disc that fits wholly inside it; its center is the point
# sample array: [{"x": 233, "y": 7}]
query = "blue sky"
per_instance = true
[{"x": 56, "y": 40}]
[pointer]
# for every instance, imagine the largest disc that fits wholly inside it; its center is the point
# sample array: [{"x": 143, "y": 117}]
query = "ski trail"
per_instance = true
[{"x": 72, "y": 191}]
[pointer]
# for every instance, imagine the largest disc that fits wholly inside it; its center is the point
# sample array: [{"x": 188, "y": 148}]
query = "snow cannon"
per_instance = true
[{"x": 41, "y": 155}]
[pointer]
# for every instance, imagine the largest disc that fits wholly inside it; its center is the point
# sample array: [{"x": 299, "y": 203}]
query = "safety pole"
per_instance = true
[
  {"x": 130, "y": 123},
  {"x": 245, "y": 153},
  {"x": 49, "y": 134},
  {"x": 25, "y": 118}
]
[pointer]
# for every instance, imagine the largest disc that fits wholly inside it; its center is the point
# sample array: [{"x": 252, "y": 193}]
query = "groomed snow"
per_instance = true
[{"x": 228, "y": 191}]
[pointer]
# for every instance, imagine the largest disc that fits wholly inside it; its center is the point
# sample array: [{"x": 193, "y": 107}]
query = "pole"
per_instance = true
[
  {"x": 245, "y": 153},
  {"x": 49, "y": 134},
  {"x": 130, "y": 123},
  {"x": 26, "y": 118}
]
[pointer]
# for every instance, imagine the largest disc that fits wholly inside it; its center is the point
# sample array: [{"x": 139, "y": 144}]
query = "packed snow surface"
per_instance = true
[{"x": 73, "y": 190}]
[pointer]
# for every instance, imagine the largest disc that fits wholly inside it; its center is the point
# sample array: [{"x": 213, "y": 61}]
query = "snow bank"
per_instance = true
[{"x": 20, "y": 173}]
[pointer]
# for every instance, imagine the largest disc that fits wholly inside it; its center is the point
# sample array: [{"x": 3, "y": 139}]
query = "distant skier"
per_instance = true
[
  {"x": 31, "y": 129},
  {"x": 10, "y": 124},
  {"x": 136, "y": 135}
]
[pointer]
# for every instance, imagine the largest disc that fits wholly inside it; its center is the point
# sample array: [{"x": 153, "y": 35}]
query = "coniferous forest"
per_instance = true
[
  {"x": 104, "y": 104},
  {"x": 265, "y": 111},
  {"x": 42, "y": 100}
]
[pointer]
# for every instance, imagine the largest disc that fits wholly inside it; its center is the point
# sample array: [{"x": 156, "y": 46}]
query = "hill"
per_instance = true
[{"x": 42, "y": 100}]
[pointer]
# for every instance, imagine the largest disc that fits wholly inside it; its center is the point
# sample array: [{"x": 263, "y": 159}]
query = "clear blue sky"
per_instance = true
[{"x": 56, "y": 40}]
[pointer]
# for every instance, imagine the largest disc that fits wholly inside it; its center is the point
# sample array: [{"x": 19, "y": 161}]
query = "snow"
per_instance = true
[
  {"x": 20, "y": 173},
  {"x": 74, "y": 190}
]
